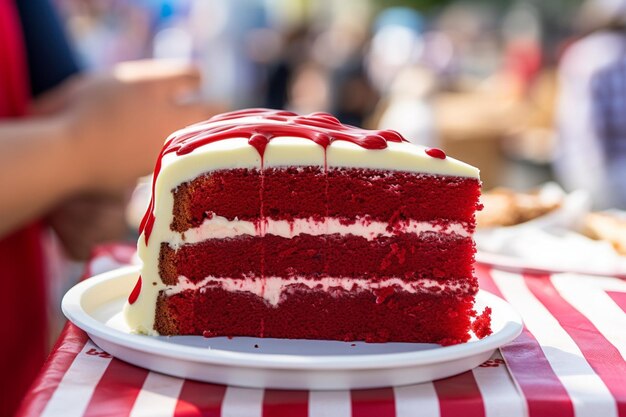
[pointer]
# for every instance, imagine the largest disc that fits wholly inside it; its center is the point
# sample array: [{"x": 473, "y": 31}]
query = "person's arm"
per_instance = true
[
  {"x": 98, "y": 135},
  {"x": 37, "y": 169}
]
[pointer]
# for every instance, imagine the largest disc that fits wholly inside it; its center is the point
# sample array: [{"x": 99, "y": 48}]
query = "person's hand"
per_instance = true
[
  {"x": 117, "y": 123},
  {"x": 87, "y": 220}
]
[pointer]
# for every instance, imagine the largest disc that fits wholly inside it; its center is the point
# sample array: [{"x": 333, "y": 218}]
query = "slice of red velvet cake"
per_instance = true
[{"x": 265, "y": 223}]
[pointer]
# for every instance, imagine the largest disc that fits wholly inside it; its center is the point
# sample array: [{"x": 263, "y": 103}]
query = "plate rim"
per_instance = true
[{"x": 73, "y": 310}]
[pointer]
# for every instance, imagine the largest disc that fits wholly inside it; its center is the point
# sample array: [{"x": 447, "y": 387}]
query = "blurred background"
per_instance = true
[{"x": 479, "y": 79}]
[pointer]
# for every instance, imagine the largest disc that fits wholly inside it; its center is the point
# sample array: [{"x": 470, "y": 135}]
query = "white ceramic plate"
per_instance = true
[{"x": 95, "y": 306}]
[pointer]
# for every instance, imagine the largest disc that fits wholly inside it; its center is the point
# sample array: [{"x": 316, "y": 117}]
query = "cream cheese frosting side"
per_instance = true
[
  {"x": 175, "y": 170},
  {"x": 235, "y": 153}
]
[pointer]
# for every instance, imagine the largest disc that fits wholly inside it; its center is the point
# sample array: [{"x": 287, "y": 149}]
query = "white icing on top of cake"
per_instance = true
[{"x": 295, "y": 151}]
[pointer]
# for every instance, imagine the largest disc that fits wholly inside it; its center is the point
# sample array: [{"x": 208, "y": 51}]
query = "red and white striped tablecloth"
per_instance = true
[{"x": 569, "y": 361}]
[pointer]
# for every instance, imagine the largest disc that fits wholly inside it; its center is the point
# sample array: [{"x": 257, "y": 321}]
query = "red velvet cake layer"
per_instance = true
[
  {"x": 290, "y": 193},
  {"x": 304, "y": 192},
  {"x": 306, "y": 314},
  {"x": 429, "y": 255}
]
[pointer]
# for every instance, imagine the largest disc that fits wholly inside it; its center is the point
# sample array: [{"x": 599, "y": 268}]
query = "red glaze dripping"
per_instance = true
[
  {"x": 321, "y": 128},
  {"x": 259, "y": 142},
  {"x": 436, "y": 153},
  {"x": 135, "y": 294}
]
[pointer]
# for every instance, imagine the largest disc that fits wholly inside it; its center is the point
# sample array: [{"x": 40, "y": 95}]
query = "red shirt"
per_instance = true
[{"x": 22, "y": 280}]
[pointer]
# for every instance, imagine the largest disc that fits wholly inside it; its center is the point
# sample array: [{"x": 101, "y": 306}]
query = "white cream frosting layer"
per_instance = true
[
  {"x": 271, "y": 289},
  {"x": 237, "y": 153},
  {"x": 290, "y": 151},
  {"x": 218, "y": 227}
]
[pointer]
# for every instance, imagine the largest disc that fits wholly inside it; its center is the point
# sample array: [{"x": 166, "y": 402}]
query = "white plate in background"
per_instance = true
[{"x": 550, "y": 243}]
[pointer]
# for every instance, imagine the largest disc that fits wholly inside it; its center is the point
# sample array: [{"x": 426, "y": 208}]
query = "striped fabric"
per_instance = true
[{"x": 569, "y": 361}]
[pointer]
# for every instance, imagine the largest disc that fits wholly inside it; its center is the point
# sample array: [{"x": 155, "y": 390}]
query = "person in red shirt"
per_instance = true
[{"x": 89, "y": 135}]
